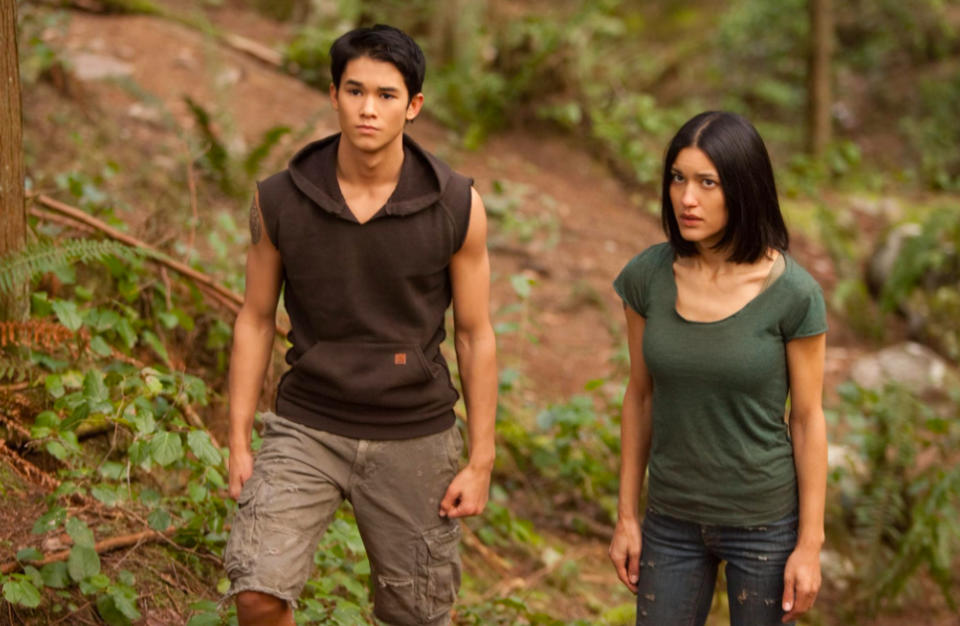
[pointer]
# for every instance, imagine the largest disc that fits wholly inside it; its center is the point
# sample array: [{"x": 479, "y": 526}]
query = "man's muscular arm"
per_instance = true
[
  {"x": 476, "y": 356},
  {"x": 252, "y": 345}
]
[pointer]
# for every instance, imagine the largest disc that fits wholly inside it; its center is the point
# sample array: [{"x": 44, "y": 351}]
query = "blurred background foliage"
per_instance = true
[{"x": 618, "y": 77}]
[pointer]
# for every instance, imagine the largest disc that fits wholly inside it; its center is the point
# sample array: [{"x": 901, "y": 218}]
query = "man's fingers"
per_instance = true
[
  {"x": 449, "y": 502},
  {"x": 788, "y": 593}
]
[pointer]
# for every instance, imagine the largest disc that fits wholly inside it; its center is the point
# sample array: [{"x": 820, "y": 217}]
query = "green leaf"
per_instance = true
[
  {"x": 49, "y": 520},
  {"x": 21, "y": 592},
  {"x": 67, "y": 313},
  {"x": 80, "y": 532},
  {"x": 154, "y": 342},
  {"x": 54, "y": 385},
  {"x": 55, "y": 575},
  {"x": 33, "y": 575},
  {"x": 93, "y": 388},
  {"x": 126, "y": 332},
  {"x": 153, "y": 384},
  {"x": 202, "y": 447},
  {"x": 165, "y": 448},
  {"x": 29, "y": 554},
  {"x": 106, "y": 494},
  {"x": 57, "y": 450},
  {"x": 110, "y": 612},
  {"x": 169, "y": 320},
  {"x": 159, "y": 520},
  {"x": 197, "y": 493},
  {"x": 113, "y": 470},
  {"x": 100, "y": 346},
  {"x": 83, "y": 562},
  {"x": 125, "y": 600}
]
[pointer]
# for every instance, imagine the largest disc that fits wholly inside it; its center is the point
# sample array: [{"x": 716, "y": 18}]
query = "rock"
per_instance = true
[
  {"x": 90, "y": 66},
  {"x": 885, "y": 256},
  {"x": 910, "y": 364}
]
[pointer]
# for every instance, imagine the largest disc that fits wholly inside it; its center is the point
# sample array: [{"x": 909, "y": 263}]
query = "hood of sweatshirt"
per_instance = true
[{"x": 422, "y": 178}]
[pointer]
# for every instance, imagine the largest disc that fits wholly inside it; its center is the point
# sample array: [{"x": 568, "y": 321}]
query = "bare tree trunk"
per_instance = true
[
  {"x": 819, "y": 98},
  {"x": 445, "y": 40},
  {"x": 13, "y": 218}
]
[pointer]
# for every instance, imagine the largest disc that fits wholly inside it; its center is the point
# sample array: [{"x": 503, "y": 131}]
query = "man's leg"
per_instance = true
[
  {"x": 284, "y": 508},
  {"x": 413, "y": 552}
]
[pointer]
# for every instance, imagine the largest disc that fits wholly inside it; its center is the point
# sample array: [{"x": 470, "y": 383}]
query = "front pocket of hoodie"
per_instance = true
[{"x": 374, "y": 374}]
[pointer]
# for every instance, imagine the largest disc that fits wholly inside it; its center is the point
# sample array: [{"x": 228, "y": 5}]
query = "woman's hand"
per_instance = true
[
  {"x": 625, "y": 552},
  {"x": 801, "y": 582}
]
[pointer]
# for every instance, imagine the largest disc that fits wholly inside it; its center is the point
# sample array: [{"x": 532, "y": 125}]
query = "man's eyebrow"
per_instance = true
[{"x": 356, "y": 83}]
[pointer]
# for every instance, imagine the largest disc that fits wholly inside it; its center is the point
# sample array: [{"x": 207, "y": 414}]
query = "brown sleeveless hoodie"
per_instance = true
[{"x": 366, "y": 301}]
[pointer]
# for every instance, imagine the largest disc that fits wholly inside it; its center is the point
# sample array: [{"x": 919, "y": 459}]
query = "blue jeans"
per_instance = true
[{"x": 678, "y": 570}]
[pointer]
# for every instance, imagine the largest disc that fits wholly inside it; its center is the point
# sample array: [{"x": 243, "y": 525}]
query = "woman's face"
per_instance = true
[{"x": 697, "y": 198}]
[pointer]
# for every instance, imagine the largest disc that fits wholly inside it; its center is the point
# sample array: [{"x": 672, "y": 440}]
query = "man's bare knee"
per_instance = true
[{"x": 262, "y": 609}]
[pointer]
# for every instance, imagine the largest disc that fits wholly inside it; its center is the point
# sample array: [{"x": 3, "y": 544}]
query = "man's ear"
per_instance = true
[
  {"x": 333, "y": 97},
  {"x": 414, "y": 107}
]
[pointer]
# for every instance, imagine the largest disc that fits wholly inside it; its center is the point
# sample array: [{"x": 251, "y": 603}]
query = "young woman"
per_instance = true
[{"x": 722, "y": 325}]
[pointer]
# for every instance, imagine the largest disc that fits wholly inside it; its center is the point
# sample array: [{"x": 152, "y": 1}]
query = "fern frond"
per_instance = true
[{"x": 49, "y": 256}]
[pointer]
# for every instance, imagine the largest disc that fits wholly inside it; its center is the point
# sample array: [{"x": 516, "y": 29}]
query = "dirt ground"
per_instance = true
[{"x": 572, "y": 227}]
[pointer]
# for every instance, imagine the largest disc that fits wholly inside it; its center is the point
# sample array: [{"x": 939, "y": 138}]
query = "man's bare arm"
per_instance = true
[
  {"x": 476, "y": 357},
  {"x": 253, "y": 335}
]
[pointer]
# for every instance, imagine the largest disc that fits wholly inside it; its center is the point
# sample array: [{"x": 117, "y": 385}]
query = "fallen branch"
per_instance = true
[
  {"x": 154, "y": 254},
  {"x": 492, "y": 558},
  {"x": 106, "y": 545},
  {"x": 253, "y": 48},
  {"x": 510, "y": 585},
  {"x": 231, "y": 300}
]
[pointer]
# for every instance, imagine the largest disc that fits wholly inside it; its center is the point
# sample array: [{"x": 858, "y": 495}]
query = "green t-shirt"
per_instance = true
[{"x": 721, "y": 451}]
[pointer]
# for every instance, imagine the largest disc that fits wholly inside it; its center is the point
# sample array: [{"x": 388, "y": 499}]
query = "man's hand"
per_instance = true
[
  {"x": 625, "y": 552},
  {"x": 240, "y": 468},
  {"x": 467, "y": 493},
  {"x": 801, "y": 582}
]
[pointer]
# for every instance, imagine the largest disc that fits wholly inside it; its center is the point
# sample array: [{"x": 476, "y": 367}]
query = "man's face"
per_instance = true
[{"x": 372, "y": 103}]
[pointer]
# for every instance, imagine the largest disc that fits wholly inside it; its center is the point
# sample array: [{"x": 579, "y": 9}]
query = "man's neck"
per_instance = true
[{"x": 356, "y": 167}]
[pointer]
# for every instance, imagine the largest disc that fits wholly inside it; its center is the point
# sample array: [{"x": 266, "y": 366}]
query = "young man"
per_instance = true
[{"x": 371, "y": 238}]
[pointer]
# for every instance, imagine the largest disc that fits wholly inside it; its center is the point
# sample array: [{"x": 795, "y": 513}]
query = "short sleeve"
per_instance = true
[
  {"x": 808, "y": 315},
  {"x": 632, "y": 282}
]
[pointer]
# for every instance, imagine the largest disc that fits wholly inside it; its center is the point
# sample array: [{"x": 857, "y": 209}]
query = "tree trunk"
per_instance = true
[
  {"x": 13, "y": 218},
  {"x": 818, "y": 75}
]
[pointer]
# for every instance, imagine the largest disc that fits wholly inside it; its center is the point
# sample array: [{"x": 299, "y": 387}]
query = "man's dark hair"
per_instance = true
[
  {"x": 754, "y": 222},
  {"x": 383, "y": 43}
]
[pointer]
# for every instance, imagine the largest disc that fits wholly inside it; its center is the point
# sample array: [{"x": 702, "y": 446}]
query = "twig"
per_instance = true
[
  {"x": 105, "y": 545},
  {"x": 253, "y": 48},
  {"x": 192, "y": 187},
  {"x": 492, "y": 558},
  {"x": 231, "y": 300},
  {"x": 155, "y": 254},
  {"x": 48, "y": 216},
  {"x": 520, "y": 582}
]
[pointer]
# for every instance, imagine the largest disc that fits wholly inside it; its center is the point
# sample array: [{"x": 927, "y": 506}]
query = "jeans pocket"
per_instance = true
[{"x": 440, "y": 570}]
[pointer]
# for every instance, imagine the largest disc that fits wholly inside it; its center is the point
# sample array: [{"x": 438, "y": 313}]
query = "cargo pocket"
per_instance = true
[
  {"x": 395, "y": 600},
  {"x": 378, "y": 374},
  {"x": 441, "y": 570},
  {"x": 239, "y": 552}
]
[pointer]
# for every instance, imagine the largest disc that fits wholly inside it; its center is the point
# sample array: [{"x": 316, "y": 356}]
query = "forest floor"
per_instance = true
[{"x": 560, "y": 219}]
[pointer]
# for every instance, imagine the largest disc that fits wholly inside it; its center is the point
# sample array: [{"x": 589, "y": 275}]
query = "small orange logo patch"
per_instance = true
[{"x": 400, "y": 358}]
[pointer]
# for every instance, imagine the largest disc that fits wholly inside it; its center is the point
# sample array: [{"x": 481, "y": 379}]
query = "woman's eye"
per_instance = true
[
  {"x": 677, "y": 178},
  {"x": 709, "y": 184}
]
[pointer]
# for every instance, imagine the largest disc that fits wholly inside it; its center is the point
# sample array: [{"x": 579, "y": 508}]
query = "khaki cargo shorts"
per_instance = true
[{"x": 301, "y": 476}]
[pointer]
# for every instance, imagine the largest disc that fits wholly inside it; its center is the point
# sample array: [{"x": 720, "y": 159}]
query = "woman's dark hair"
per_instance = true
[
  {"x": 383, "y": 43},
  {"x": 754, "y": 222}
]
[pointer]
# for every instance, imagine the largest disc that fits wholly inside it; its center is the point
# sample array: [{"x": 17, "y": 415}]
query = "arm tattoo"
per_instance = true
[{"x": 256, "y": 229}]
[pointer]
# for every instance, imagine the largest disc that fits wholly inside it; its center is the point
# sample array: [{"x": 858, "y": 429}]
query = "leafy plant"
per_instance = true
[{"x": 902, "y": 496}]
